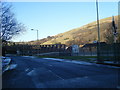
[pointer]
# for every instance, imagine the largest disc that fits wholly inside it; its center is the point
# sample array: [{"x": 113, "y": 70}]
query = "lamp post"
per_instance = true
[
  {"x": 37, "y": 32},
  {"x": 37, "y": 52}
]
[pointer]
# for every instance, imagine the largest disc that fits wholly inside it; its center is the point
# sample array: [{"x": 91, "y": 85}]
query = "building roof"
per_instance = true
[{"x": 93, "y": 44}]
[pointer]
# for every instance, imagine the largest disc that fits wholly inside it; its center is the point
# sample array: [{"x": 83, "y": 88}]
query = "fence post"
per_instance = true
[{"x": 98, "y": 53}]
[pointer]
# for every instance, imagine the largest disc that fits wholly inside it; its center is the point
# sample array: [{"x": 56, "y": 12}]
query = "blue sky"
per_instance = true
[{"x": 52, "y": 18}]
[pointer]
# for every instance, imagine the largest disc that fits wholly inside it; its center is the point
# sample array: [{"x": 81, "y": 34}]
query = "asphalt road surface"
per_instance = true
[{"x": 45, "y": 73}]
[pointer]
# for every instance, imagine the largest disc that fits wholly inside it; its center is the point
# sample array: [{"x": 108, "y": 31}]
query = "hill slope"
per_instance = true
[{"x": 84, "y": 34}]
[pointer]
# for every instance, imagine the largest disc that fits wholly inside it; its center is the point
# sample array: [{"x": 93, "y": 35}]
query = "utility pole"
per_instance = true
[
  {"x": 98, "y": 21},
  {"x": 98, "y": 43}
]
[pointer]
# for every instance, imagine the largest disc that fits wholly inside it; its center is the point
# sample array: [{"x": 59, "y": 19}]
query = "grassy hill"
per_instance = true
[{"x": 82, "y": 35}]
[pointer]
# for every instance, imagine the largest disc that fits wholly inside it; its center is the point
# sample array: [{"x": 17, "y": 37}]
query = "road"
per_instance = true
[{"x": 44, "y": 73}]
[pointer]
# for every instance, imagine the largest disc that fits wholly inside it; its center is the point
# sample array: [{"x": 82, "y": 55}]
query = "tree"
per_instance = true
[
  {"x": 9, "y": 25},
  {"x": 109, "y": 36}
]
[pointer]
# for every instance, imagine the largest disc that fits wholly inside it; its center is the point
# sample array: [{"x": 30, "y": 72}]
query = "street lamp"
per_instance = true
[
  {"x": 37, "y": 40},
  {"x": 37, "y": 32}
]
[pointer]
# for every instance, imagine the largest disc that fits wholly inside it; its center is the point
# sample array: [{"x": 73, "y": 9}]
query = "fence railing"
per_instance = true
[
  {"x": 35, "y": 49},
  {"x": 108, "y": 52}
]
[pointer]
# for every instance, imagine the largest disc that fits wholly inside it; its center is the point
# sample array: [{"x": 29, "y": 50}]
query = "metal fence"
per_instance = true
[
  {"x": 34, "y": 49},
  {"x": 110, "y": 52},
  {"x": 88, "y": 51},
  {"x": 107, "y": 52}
]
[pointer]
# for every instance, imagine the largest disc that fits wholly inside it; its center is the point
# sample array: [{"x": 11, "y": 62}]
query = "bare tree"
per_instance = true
[
  {"x": 108, "y": 35},
  {"x": 9, "y": 25}
]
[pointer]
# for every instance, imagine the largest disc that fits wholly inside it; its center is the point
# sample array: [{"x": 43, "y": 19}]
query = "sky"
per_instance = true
[{"x": 52, "y": 18}]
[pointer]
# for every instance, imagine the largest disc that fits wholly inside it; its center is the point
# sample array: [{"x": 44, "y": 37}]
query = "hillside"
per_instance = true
[{"x": 82, "y": 35}]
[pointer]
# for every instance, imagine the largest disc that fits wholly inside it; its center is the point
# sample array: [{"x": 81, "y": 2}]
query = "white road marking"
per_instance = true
[
  {"x": 12, "y": 66},
  {"x": 85, "y": 77},
  {"x": 56, "y": 75},
  {"x": 27, "y": 69},
  {"x": 77, "y": 62},
  {"x": 51, "y": 65},
  {"x": 33, "y": 75},
  {"x": 29, "y": 56},
  {"x": 54, "y": 59},
  {"x": 81, "y": 62}
]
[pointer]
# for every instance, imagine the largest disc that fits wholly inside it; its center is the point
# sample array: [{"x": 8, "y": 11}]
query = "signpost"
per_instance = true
[{"x": 114, "y": 28}]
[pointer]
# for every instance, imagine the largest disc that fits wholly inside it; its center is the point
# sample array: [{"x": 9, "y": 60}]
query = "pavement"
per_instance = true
[
  {"x": 7, "y": 64},
  {"x": 33, "y": 72}
]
